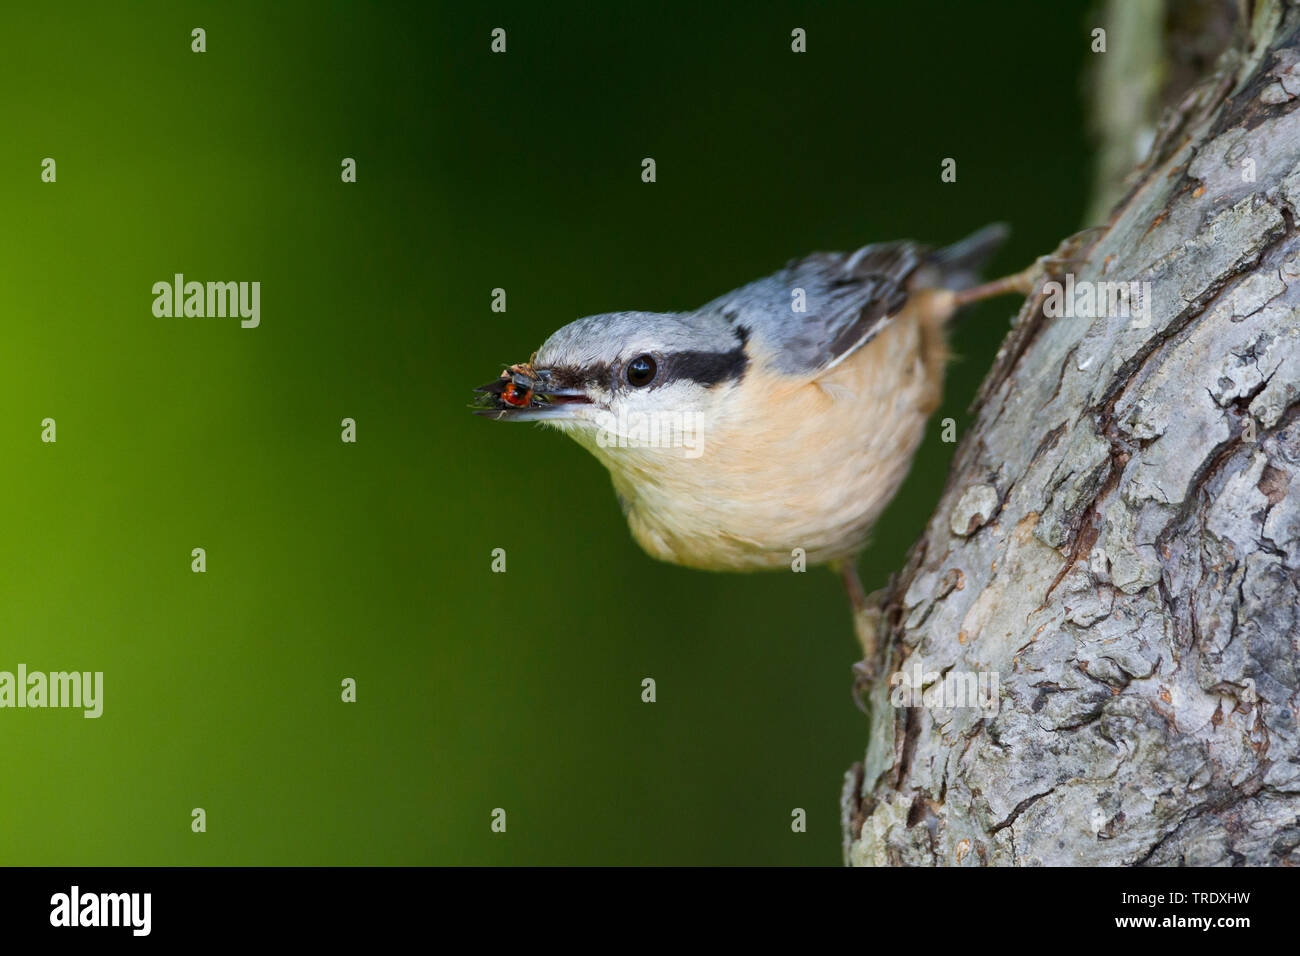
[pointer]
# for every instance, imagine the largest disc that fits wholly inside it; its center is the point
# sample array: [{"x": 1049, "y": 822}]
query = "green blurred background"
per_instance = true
[{"x": 371, "y": 560}]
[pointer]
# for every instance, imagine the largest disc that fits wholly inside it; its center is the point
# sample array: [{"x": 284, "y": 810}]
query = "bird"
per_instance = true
[{"x": 774, "y": 422}]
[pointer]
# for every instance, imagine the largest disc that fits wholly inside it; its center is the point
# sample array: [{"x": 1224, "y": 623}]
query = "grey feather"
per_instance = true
[
  {"x": 592, "y": 349},
  {"x": 849, "y": 297}
]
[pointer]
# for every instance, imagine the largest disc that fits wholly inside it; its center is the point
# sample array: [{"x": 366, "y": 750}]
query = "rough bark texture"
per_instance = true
[{"x": 1119, "y": 540}]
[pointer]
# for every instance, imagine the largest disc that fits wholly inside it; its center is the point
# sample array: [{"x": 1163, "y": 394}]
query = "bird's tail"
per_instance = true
[{"x": 959, "y": 265}]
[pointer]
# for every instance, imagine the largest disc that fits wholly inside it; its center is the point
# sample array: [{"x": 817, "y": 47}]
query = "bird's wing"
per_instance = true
[{"x": 847, "y": 299}]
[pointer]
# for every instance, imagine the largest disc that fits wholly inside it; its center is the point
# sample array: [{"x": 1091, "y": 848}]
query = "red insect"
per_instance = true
[
  {"x": 517, "y": 393},
  {"x": 516, "y": 396}
]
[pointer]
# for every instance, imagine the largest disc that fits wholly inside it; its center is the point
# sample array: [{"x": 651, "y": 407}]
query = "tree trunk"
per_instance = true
[{"x": 1118, "y": 546}]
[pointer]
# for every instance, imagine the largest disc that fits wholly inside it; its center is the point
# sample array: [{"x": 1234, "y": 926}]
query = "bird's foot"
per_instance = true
[
  {"x": 868, "y": 625},
  {"x": 1066, "y": 255}
]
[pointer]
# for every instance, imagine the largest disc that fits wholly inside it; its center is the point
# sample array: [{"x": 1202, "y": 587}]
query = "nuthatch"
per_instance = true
[{"x": 781, "y": 416}]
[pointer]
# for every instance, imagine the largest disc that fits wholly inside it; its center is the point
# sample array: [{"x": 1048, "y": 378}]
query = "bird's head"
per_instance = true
[{"x": 626, "y": 380}]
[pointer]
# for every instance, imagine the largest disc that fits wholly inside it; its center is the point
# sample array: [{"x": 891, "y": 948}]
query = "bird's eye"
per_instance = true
[{"x": 641, "y": 371}]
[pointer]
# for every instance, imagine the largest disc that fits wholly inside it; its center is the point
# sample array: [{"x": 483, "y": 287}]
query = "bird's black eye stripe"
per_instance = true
[
  {"x": 702, "y": 368},
  {"x": 710, "y": 368},
  {"x": 641, "y": 371}
]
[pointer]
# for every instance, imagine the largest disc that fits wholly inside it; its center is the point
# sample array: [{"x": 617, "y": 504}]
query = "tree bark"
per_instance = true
[{"x": 1119, "y": 540}]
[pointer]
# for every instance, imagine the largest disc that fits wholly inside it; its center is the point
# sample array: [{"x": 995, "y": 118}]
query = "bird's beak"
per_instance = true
[{"x": 527, "y": 394}]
